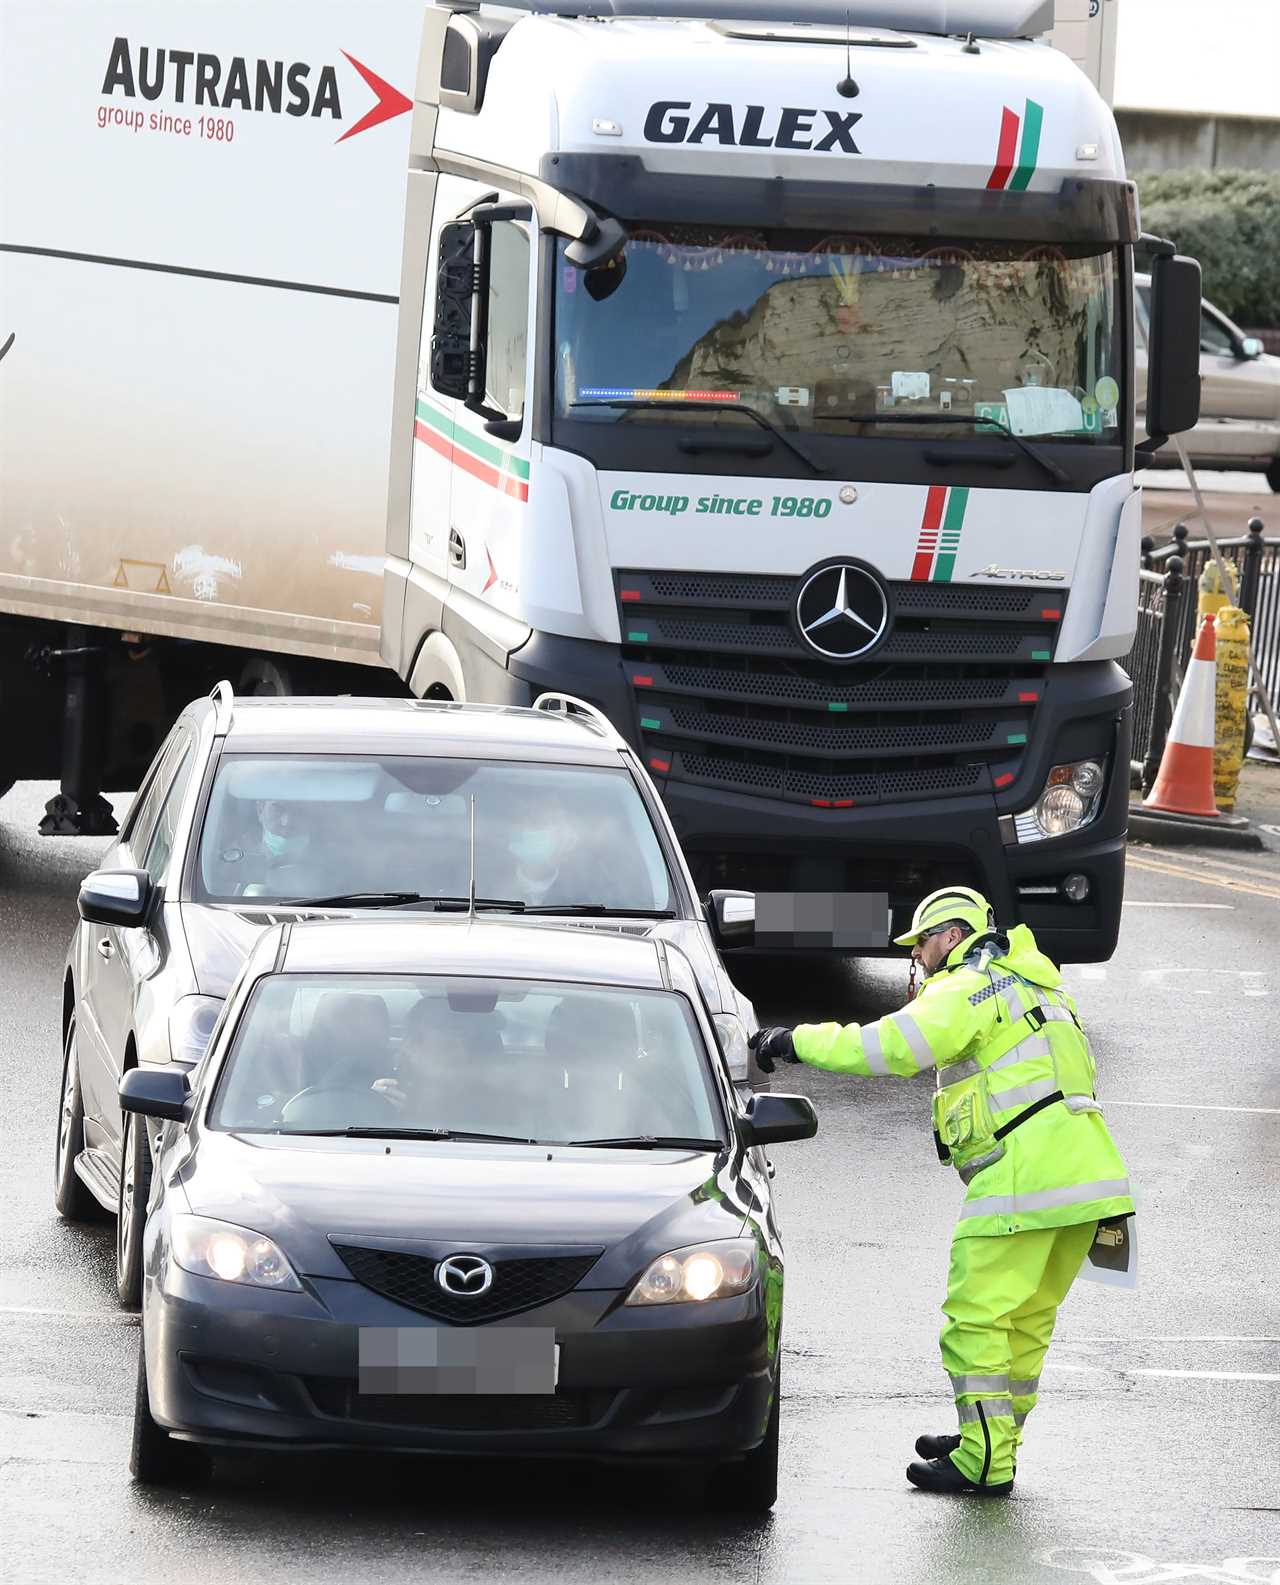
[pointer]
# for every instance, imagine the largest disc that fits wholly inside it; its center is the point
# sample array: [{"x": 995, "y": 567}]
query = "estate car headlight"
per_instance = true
[
  {"x": 207, "y": 1248},
  {"x": 1071, "y": 799},
  {"x": 703, "y": 1271},
  {"x": 191, "y": 1023}
]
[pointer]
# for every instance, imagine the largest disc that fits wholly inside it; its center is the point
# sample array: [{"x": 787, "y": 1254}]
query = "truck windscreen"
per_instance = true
[{"x": 845, "y": 334}]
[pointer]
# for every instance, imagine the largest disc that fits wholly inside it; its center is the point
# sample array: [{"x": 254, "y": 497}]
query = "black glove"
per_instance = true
[{"x": 772, "y": 1046}]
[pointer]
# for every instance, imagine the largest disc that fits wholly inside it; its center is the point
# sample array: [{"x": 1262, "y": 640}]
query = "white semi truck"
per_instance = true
[{"x": 766, "y": 379}]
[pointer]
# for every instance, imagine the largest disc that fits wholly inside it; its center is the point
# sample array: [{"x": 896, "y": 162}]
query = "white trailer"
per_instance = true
[{"x": 1085, "y": 30}]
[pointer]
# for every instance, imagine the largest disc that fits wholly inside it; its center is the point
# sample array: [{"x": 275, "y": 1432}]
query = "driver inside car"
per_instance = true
[{"x": 345, "y": 1050}]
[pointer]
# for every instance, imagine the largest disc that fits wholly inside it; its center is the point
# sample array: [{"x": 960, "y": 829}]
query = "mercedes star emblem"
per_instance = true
[
  {"x": 465, "y": 1276},
  {"x": 842, "y": 610}
]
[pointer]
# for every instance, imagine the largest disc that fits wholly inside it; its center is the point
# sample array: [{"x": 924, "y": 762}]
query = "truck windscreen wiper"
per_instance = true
[
  {"x": 1047, "y": 463},
  {"x": 651, "y": 1142},
  {"x": 632, "y": 403},
  {"x": 403, "y": 900}
]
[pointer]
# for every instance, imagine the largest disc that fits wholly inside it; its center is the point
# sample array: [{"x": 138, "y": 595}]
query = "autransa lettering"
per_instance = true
[
  {"x": 244, "y": 85},
  {"x": 672, "y": 121}
]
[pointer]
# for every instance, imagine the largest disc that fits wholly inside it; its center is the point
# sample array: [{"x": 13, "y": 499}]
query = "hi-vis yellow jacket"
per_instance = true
[{"x": 1014, "y": 1109}]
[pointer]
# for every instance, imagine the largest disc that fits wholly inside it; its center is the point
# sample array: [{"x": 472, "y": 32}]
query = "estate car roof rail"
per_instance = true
[
  {"x": 224, "y": 704},
  {"x": 574, "y": 709}
]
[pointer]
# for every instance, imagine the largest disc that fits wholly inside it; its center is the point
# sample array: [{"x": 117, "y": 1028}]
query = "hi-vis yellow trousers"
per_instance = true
[{"x": 1003, "y": 1294}]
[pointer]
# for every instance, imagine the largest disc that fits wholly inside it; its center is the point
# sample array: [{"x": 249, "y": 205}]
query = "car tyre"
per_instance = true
[
  {"x": 155, "y": 1458},
  {"x": 1273, "y": 474},
  {"x": 752, "y": 1485},
  {"x": 131, "y": 1209},
  {"x": 71, "y": 1198}
]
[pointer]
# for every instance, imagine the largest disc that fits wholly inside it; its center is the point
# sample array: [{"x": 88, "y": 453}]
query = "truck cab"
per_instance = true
[{"x": 769, "y": 384}]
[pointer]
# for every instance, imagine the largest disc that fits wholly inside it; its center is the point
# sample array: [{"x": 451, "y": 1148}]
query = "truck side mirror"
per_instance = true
[
  {"x": 1173, "y": 375},
  {"x": 452, "y": 360}
]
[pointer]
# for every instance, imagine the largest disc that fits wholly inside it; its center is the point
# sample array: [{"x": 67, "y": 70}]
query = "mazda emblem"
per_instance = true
[
  {"x": 842, "y": 609},
  {"x": 465, "y": 1276}
]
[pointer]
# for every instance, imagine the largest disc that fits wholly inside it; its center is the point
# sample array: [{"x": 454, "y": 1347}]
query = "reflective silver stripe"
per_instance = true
[
  {"x": 1023, "y": 1095},
  {"x": 1046, "y": 1199},
  {"x": 963, "y": 1384},
  {"x": 993, "y": 1408},
  {"x": 1013, "y": 1003},
  {"x": 1057, "y": 1015},
  {"x": 1025, "y": 1051},
  {"x": 971, "y": 1169},
  {"x": 914, "y": 1036},
  {"x": 1024, "y": 1388},
  {"x": 873, "y": 1049},
  {"x": 958, "y": 1071},
  {"x": 1081, "y": 1103},
  {"x": 1020, "y": 1417}
]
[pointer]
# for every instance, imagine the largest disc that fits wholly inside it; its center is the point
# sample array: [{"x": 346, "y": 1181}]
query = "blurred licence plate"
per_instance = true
[
  {"x": 844, "y": 921},
  {"x": 510, "y": 1360}
]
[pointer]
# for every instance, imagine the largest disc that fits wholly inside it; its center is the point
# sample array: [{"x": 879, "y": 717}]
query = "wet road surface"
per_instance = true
[{"x": 1154, "y": 1455}]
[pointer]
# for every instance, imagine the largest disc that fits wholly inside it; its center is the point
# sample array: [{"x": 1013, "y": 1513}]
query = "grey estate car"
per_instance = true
[{"x": 266, "y": 809}]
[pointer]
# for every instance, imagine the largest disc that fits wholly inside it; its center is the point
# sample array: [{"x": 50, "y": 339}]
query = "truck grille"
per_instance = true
[
  {"x": 518, "y": 1285},
  {"x": 727, "y": 695}
]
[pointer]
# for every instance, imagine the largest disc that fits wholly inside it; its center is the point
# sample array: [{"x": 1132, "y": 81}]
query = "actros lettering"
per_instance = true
[
  {"x": 235, "y": 84},
  {"x": 752, "y": 127}
]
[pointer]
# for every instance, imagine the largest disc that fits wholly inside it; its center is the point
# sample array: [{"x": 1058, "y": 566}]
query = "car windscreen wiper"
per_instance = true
[
  {"x": 753, "y": 413},
  {"x": 599, "y": 911},
  {"x": 998, "y": 424},
  {"x": 402, "y": 900},
  {"x": 651, "y": 1142},
  {"x": 391, "y": 1132}
]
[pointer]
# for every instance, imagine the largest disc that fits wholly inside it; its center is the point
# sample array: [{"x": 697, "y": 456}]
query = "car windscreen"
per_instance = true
[
  {"x": 284, "y": 828},
  {"x": 819, "y": 333},
  {"x": 520, "y": 1058}
]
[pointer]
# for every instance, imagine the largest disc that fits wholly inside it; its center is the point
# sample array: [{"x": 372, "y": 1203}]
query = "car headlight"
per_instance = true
[
  {"x": 1071, "y": 798},
  {"x": 191, "y": 1022},
  {"x": 207, "y": 1248},
  {"x": 705, "y": 1271},
  {"x": 733, "y": 1043}
]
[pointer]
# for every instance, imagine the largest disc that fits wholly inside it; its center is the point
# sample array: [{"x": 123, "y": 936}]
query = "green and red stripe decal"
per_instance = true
[
  {"x": 1016, "y": 161},
  {"x": 940, "y": 530},
  {"x": 491, "y": 464}
]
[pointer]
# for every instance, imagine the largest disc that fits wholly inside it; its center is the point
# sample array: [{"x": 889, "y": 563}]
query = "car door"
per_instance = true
[
  {"x": 116, "y": 958},
  {"x": 1237, "y": 397}
]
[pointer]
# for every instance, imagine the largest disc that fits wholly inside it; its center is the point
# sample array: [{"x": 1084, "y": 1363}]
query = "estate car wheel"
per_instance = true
[
  {"x": 752, "y": 1485},
  {"x": 71, "y": 1198},
  {"x": 155, "y": 1458},
  {"x": 1273, "y": 474},
  {"x": 131, "y": 1209}
]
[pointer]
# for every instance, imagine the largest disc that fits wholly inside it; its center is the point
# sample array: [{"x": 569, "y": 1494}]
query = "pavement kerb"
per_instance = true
[{"x": 1164, "y": 830}]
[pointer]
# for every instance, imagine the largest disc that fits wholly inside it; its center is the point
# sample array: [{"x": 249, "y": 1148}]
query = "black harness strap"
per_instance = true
[{"x": 1022, "y": 1117}]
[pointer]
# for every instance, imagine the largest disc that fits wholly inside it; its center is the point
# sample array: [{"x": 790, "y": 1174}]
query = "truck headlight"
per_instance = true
[
  {"x": 207, "y": 1248},
  {"x": 704, "y": 1271},
  {"x": 191, "y": 1023},
  {"x": 1071, "y": 798}
]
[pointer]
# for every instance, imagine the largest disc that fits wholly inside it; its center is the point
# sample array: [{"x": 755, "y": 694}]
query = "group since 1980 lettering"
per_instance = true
[{"x": 722, "y": 505}]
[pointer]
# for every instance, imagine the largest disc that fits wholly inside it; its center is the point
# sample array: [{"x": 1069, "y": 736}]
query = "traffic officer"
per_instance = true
[{"x": 1014, "y": 1112}]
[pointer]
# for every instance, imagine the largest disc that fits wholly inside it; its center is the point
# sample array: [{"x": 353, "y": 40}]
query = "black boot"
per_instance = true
[
  {"x": 936, "y": 1446},
  {"x": 941, "y": 1475}
]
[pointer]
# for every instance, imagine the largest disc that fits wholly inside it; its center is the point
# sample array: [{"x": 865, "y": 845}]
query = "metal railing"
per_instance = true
[{"x": 1166, "y": 625}]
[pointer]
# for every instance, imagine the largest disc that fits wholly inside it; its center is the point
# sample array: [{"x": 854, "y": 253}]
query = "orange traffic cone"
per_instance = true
[{"x": 1184, "y": 785}]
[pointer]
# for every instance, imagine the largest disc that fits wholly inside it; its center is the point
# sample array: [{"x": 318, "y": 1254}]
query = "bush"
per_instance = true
[{"x": 1230, "y": 221}]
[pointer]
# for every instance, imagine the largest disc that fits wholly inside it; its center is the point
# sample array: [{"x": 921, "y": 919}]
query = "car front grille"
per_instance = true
[
  {"x": 410, "y": 1279},
  {"x": 727, "y": 695}
]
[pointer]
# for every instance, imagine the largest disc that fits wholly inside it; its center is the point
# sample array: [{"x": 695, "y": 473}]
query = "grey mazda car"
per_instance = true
[
  {"x": 261, "y": 809},
  {"x": 456, "y": 1186}
]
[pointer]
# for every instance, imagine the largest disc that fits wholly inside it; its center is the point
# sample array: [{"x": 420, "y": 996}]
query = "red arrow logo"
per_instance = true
[
  {"x": 493, "y": 572},
  {"x": 391, "y": 102}
]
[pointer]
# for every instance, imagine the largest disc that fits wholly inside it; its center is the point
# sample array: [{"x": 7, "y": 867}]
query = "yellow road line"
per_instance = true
[
  {"x": 1235, "y": 866},
  {"x": 1233, "y": 883}
]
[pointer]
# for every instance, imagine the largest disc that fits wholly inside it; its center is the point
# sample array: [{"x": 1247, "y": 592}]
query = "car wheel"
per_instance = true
[
  {"x": 131, "y": 1209},
  {"x": 70, "y": 1196},
  {"x": 1273, "y": 474},
  {"x": 752, "y": 1485},
  {"x": 155, "y": 1458}
]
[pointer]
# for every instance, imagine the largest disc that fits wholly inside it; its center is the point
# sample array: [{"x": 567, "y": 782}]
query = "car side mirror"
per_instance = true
[
  {"x": 1251, "y": 347},
  {"x": 776, "y": 1119},
  {"x": 115, "y": 897},
  {"x": 732, "y": 917},
  {"x": 452, "y": 359},
  {"x": 156, "y": 1092},
  {"x": 1173, "y": 374}
]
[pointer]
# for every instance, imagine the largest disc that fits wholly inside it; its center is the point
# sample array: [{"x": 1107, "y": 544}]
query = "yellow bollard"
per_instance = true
[
  {"x": 1231, "y": 630},
  {"x": 1212, "y": 596}
]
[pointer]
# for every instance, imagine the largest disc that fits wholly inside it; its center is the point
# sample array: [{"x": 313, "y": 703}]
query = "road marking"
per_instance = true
[
  {"x": 1147, "y": 1337},
  {"x": 1208, "y": 1375},
  {"x": 1229, "y": 882},
  {"x": 1131, "y": 902},
  {"x": 1199, "y": 1106}
]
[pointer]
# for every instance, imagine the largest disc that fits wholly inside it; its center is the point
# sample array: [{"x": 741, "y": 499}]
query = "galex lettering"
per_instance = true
[
  {"x": 752, "y": 127},
  {"x": 237, "y": 84}
]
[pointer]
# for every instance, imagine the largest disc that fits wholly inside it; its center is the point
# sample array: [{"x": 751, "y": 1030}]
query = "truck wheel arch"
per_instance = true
[{"x": 437, "y": 671}]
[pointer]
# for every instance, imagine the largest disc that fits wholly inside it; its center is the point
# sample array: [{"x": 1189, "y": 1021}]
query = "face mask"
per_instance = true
[
  {"x": 282, "y": 847},
  {"x": 536, "y": 848}
]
